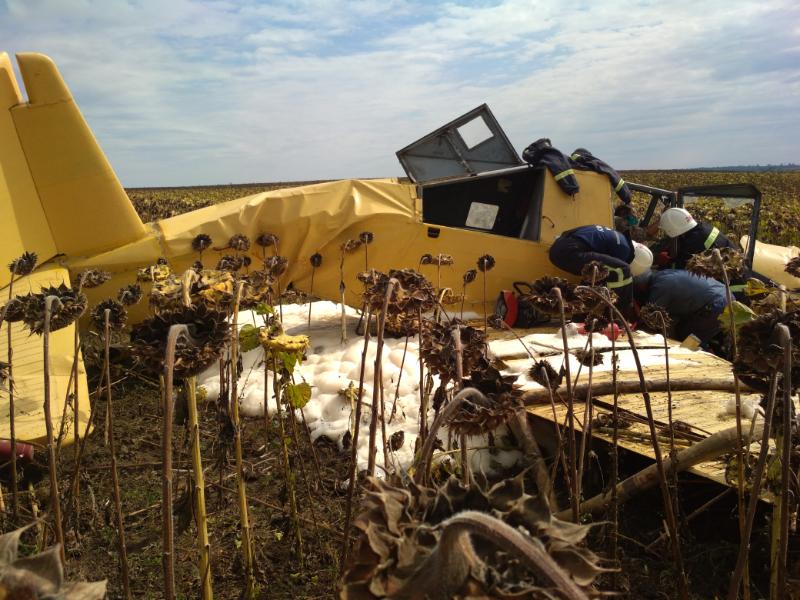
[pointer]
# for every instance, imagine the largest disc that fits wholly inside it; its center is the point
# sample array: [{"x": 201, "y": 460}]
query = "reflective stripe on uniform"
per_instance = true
[
  {"x": 621, "y": 280},
  {"x": 739, "y": 287},
  {"x": 619, "y": 185},
  {"x": 563, "y": 174},
  {"x": 711, "y": 238}
]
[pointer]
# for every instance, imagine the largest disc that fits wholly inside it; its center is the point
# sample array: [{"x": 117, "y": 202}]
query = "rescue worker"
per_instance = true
[
  {"x": 687, "y": 237},
  {"x": 693, "y": 302},
  {"x": 574, "y": 249}
]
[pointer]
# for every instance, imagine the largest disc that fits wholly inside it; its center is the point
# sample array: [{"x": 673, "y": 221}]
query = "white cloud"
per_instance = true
[{"x": 189, "y": 92}]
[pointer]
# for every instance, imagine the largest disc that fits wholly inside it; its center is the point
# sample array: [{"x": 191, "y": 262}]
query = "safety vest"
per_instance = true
[{"x": 712, "y": 237}]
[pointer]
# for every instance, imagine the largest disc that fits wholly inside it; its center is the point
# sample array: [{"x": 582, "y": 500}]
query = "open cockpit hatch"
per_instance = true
[{"x": 470, "y": 177}]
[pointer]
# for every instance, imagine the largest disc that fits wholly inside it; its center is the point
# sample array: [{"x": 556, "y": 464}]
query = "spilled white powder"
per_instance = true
[{"x": 330, "y": 368}]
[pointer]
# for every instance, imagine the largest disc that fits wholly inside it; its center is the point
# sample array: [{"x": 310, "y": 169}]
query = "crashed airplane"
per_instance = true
[{"x": 469, "y": 194}]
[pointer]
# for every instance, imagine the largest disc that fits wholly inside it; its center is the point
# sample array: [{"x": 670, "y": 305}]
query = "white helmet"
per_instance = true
[
  {"x": 676, "y": 221},
  {"x": 642, "y": 259}
]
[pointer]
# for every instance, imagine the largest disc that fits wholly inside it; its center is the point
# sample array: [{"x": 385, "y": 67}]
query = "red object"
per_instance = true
[
  {"x": 611, "y": 330},
  {"x": 24, "y": 451},
  {"x": 512, "y": 307},
  {"x": 663, "y": 258}
]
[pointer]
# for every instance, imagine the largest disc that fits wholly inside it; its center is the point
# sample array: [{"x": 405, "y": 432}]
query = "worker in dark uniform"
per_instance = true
[
  {"x": 690, "y": 236},
  {"x": 687, "y": 237},
  {"x": 693, "y": 302},
  {"x": 574, "y": 249}
]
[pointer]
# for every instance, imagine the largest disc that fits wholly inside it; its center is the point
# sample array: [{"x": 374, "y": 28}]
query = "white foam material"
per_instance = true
[{"x": 331, "y": 366}]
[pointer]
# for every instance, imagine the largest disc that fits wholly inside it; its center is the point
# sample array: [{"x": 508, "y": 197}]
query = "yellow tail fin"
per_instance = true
[{"x": 58, "y": 192}]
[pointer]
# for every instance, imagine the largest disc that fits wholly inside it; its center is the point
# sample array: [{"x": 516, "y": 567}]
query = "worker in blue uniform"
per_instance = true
[
  {"x": 574, "y": 249},
  {"x": 693, "y": 302}
]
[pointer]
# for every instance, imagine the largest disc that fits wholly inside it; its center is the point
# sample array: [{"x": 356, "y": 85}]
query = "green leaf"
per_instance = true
[
  {"x": 248, "y": 338},
  {"x": 741, "y": 315},
  {"x": 298, "y": 394},
  {"x": 289, "y": 360},
  {"x": 264, "y": 309}
]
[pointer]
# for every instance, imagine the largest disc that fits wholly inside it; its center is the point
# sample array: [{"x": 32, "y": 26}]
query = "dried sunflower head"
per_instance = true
[
  {"x": 40, "y": 575},
  {"x": 588, "y": 272},
  {"x": 92, "y": 278},
  {"x": 470, "y": 276},
  {"x": 209, "y": 332},
  {"x": 162, "y": 261},
  {"x": 14, "y": 310},
  {"x": 276, "y": 265},
  {"x": 366, "y": 237},
  {"x": 230, "y": 263},
  {"x": 257, "y": 288},
  {"x": 589, "y": 359},
  {"x": 793, "y": 267},
  {"x": 544, "y": 299},
  {"x": 411, "y": 294},
  {"x": 706, "y": 265},
  {"x": 316, "y": 260},
  {"x": 265, "y": 240},
  {"x": 213, "y": 288},
  {"x": 130, "y": 294},
  {"x": 651, "y": 316},
  {"x": 371, "y": 277},
  {"x": 239, "y": 242},
  {"x": 24, "y": 265},
  {"x": 157, "y": 272},
  {"x": 495, "y": 321},
  {"x": 201, "y": 242},
  {"x": 197, "y": 266},
  {"x": 439, "y": 353},
  {"x": 70, "y": 306},
  {"x": 759, "y": 352},
  {"x": 543, "y": 373},
  {"x": 293, "y": 344},
  {"x": 350, "y": 246},
  {"x": 443, "y": 260},
  {"x": 426, "y": 259},
  {"x": 116, "y": 318},
  {"x": 486, "y": 263},
  {"x": 400, "y": 531}
]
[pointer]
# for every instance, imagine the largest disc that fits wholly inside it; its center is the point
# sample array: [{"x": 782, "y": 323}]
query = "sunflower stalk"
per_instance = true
[
  {"x": 614, "y": 457},
  {"x": 11, "y": 411},
  {"x": 755, "y": 491},
  {"x": 422, "y": 473},
  {"x": 572, "y": 463},
  {"x": 123, "y": 550},
  {"x": 288, "y": 474},
  {"x": 399, "y": 379},
  {"x": 244, "y": 516},
  {"x": 586, "y": 430},
  {"x": 717, "y": 256},
  {"x": 168, "y": 532},
  {"x": 55, "y": 495},
  {"x": 779, "y": 550},
  {"x": 377, "y": 407},
  {"x": 353, "y": 480},
  {"x": 665, "y": 492},
  {"x": 462, "y": 442},
  {"x": 199, "y": 494}
]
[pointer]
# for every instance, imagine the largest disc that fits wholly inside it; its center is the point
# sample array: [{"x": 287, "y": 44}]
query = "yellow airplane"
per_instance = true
[{"x": 60, "y": 198}]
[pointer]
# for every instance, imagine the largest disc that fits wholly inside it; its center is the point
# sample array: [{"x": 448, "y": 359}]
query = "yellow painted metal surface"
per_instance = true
[
  {"x": 28, "y": 380},
  {"x": 58, "y": 192}
]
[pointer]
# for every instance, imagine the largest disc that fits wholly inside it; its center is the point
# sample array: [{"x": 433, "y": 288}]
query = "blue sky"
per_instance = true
[{"x": 181, "y": 92}]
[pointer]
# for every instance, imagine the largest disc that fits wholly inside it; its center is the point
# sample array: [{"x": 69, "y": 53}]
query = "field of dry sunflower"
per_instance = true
[{"x": 286, "y": 507}]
